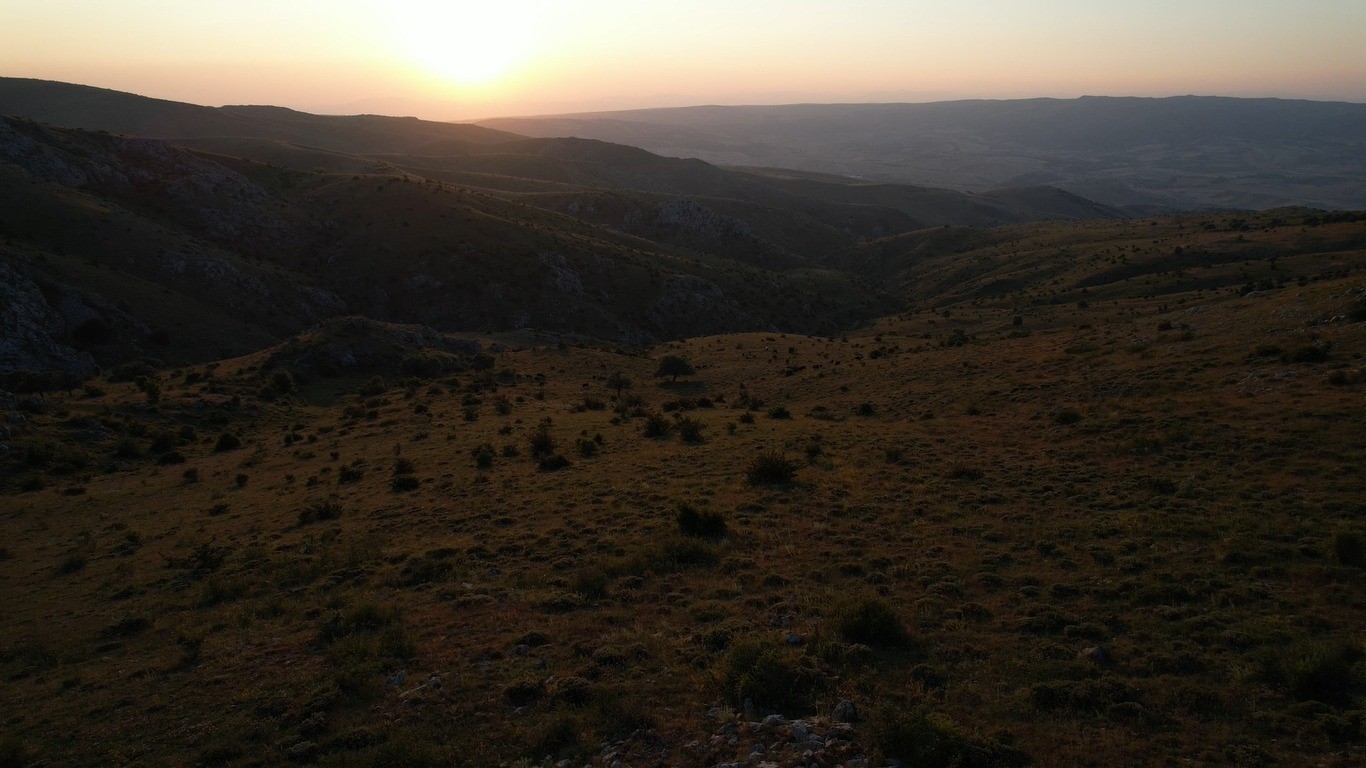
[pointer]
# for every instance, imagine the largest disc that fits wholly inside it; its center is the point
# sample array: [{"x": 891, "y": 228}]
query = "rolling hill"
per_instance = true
[
  {"x": 473, "y": 450},
  {"x": 1147, "y": 155}
]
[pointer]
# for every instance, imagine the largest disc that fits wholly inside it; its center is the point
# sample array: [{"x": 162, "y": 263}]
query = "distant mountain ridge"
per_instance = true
[
  {"x": 1177, "y": 153},
  {"x": 100, "y": 109}
]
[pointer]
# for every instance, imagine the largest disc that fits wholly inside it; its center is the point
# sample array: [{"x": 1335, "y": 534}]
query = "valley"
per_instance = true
[{"x": 375, "y": 442}]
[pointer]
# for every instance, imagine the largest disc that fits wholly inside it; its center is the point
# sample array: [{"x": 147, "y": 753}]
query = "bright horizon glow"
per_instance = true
[
  {"x": 466, "y": 60},
  {"x": 467, "y": 46}
]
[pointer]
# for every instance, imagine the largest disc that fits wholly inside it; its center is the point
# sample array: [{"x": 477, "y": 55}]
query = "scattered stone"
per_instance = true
[
  {"x": 302, "y": 751},
  {"x": 845, "y": 711},
  {"x": 1096, "y": 655}
]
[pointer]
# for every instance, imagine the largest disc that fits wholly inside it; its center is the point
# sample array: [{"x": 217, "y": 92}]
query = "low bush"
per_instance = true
[
  {"x": 483, "y": 455},
  {"x": 771, "y": 468},
  {"x": 656, "y": 426},
  {"x": 690, "y": 431},
  {"x": 921, "y": 738},
  {"x": 1349, "y": 548},
  {"x": 320, "y": 512},
  {"x": 772, "y": 677},
  {"x": 703, "y": 525},
  {"x": 553, "y": 463},
  {"x": 870, "y": 622}
]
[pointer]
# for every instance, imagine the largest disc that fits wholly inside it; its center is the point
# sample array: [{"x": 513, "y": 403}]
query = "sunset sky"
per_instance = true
[{"x": 459, "y": 60}]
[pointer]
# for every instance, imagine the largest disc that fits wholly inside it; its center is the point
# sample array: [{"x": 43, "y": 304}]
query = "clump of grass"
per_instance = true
[
  {"x": 702, "y": 525},
  {"x": 771, "y": 468},
  {"x": 350, "y": 473},
  {"x": 675, "y": 553},
  {"x": 1307, "y": 355},
  {"x": 71, "y": 564},
  {"x": 965, "y": 472},
  {"x": 1330, "y": 672},
  {"x": 320, "y": 512},
  {"x": 15, "y": 752},
  {"x": 365, "y": 642},
  {"x": 1066, "y": 416},
  {"x": 403, "y": 478},
  {"x": 918, "y": 736}
]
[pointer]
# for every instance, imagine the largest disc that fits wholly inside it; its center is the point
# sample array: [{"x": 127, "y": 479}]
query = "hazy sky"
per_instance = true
[{"x": 457, "y": 60}]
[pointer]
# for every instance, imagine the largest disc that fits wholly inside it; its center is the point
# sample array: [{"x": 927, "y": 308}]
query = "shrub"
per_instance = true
[
  {"x": 553, "y": 463},
  {"x": 674, "y": 553},
  {"x": 772, "y": 676},
  {"x": 771, "y": 468},
  {"x": 1066, "y": 416},
  {"x": 1349, "y": 548},
  {"x": 325, "y": 510},
  {"x": 350, "y": 474},
  {"x": 227, "y": 442},
  {"x": 127, "y": 448},
  {"x": 587, "y": 448},
  {"x": 674, "y": 366},
  {"x": 1307, "y": 355},
  {"x": 656, "y": 426},
  {"x": 920, "y": 738},
  {"x": 71, "y": 564},
  {"x": 965, "y": 472},
  {"x": 404, "y": 483},
  {"x": 870, "y": 622},
  {"x": 779, "y": 412},
  {"x": 690, "y": 431},
  {"x": 703, "y": 525},
  {"x": 163, "y": 442},
  {"x": 1327, "y": 672},
  {"x": 866, "y": 409},
  {"x": 542, "y": 442},
  {"x": 282, "y": 381},
  {"x": 483, "y": 455}
]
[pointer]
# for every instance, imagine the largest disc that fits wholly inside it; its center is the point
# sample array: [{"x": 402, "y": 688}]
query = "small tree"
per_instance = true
[
  {"x": 618, "y": 382},
  {"x": 674, "y": 366}
]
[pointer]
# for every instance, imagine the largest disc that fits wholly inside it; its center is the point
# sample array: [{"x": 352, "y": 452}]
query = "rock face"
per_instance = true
[
  {"x": 357, "y": 345},
  {"x": 699, "y": 220},
  {"x": 32, "y": 332}
]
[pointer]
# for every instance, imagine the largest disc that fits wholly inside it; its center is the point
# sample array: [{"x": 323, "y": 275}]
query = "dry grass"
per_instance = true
[{"x": 1131, "y": 475}]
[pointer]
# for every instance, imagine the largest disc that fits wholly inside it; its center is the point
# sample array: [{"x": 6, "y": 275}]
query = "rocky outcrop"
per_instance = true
[
  {"x": 359, "y": 345},
  {"x": 699, "y": 220},
  {"x": 33, "y": 332}
]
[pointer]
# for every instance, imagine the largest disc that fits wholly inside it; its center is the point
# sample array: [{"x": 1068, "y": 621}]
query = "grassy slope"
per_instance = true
[{"x": 1163, "y": 473}]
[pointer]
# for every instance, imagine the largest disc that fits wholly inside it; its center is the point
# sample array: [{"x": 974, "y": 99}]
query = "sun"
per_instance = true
[{"x": 465, "y": 43}]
